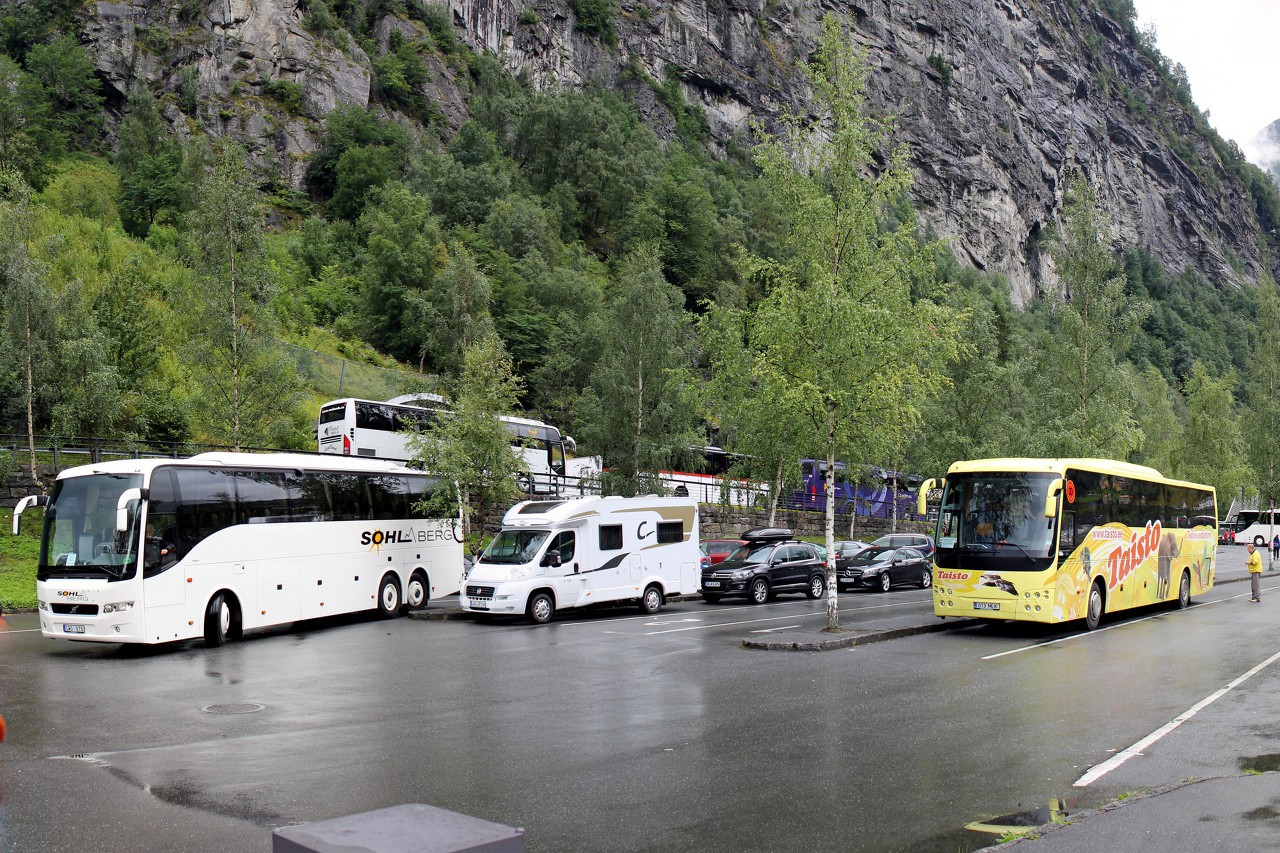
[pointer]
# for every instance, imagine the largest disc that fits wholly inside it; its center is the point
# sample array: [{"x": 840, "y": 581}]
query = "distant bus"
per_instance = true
[
  {"x": 704, "y": 478},
  {"x": 1052, "y": 540},
  {"x": 1250, "y": 525},
  {"x": 162, "y": 550},
  {"x": 875, "y": 499},
  {"x": 354, "y": 427}
]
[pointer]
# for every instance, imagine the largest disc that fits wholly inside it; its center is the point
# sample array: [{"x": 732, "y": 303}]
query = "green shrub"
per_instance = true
[{"x": 287, "y": 93}]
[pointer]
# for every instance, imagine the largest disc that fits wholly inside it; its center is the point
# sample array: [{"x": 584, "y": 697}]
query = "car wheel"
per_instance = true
[
  {"x": 541, "y": 608},
  {"x": 218, "y": 620},
  {"x": 388, "y": 595},
  {"x": 885, "y": 581},
  {"x": 1184, "y": 591},
  {"x": 651, "y": 601},
  {"x": 759, "y": 593},
  {"x": 817, "y": 586},
  {"x": 926, "y": 579},
  {"x": 1097, "y": 605},
  {"x": 710, "y": 599}
]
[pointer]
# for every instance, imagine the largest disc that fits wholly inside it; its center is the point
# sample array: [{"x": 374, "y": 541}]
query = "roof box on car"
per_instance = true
[{"x": 765, "y": 533}]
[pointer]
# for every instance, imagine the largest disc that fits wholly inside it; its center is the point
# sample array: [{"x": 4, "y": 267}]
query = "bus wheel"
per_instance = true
[
  {"x": 1258, "y": 541},
  {"x": 416, "y": 595},
  {"x": 541, "y": 608},
  {"x": 1184, "y": 591},
  {"x": 1093, "y": 616},
  {"x": 651, "y": 601},
  {"x": 388, "y": 595},
  {"x": 218, "y": 619}
]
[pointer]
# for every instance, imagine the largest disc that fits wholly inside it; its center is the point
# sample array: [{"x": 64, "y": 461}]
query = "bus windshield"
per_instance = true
[
  {"x": 80, "y": 539},
  {"x": 514, "y": 547},
  {"x": 995, "y": 519}
]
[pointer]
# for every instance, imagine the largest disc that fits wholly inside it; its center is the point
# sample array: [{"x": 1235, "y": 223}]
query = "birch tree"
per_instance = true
[
  {"x": 838, "y": 332},
  {"x": 1262, "y": 421}
]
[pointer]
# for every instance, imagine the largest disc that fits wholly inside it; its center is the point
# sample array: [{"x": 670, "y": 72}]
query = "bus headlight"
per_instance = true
[
  {"x": 117, "y": 607},
  {"x": 43, "y": 605}
]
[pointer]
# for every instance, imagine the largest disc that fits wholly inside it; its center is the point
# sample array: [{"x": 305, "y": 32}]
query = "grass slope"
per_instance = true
[{"x": 18, "y": 556}]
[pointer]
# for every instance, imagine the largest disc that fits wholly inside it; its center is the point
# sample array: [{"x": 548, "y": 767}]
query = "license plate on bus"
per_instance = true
[
  {"x": 986, "y": 605},
  {"x": 711, "y": 583},
  {"x": 73, "y": 629},
  {"x": 479, "y": 605}
]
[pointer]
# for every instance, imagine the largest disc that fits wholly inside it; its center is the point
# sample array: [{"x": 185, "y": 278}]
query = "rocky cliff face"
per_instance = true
[{"x": 998, "y": 99}]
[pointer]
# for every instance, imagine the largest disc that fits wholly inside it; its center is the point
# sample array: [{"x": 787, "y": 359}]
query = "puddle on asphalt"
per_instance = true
[{"x": 1260, "y": 763}]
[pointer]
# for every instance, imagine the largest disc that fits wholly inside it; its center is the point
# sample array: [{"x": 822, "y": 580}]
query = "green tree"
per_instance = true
[
  {"x": 89, "y": 400},
  {"x": 247, "y": 385},
  {"x": 1156, "y": 412},
  {"x": 1212, "y": 448},
  {"x": 838, "y": 329},
  {"x": 150, "y": 165},
  {"x": 632, "y": 412},
  {"x": 29, "y": 318},
  {"x": 1262, "y": 381},
  {"x": 471, "y": 451},
  {"x": 1080, "y": 386},
  {"x": 23, "y": 114},
  {"x": 67, "y": 78}
]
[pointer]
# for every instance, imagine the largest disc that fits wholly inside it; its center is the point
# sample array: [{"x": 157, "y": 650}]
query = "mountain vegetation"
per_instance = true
[{"x": 153, "y": 287}]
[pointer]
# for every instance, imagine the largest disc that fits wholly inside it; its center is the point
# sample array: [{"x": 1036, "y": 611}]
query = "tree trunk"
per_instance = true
[
  {"x": 829, "y": 478},
  {"x": 31, "y": 390},
  {"x": 775, "y": 497},
  {"x": 235, "y": 346}
]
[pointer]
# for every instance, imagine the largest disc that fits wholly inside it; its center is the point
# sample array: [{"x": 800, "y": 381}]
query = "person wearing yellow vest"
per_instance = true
[{"x": 1255, "y": 572}]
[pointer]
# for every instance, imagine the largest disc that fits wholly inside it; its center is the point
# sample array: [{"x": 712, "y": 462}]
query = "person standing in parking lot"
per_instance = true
[{"x": 1255, "y": 572}]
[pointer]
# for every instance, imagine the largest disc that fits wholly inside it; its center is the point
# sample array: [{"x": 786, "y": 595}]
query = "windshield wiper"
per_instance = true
[{"x": 1030, "y": 558}]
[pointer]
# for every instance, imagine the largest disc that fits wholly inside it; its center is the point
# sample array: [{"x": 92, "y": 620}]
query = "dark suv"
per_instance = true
[
  {"x": 768, "y": 562},
  {"x": 922, "y": 543}
]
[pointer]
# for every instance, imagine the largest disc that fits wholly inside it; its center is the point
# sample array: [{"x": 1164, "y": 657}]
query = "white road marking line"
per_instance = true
[
  {"x": 22, "y": 631},
  {"x": 1097, "y": 631},
  {"x": 673, "y": 621},
  {"x": 771, "y": 630},
  {"x": 1098, "y": 771}
]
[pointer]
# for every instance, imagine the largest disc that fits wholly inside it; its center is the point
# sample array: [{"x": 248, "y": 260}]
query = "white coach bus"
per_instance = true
[
  {"x": 162, "y": 550},
  {"x": 354, "y": 427}
]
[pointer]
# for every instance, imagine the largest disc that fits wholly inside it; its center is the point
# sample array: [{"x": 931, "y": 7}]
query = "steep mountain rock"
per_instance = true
[{"x": 998, "y": 99}]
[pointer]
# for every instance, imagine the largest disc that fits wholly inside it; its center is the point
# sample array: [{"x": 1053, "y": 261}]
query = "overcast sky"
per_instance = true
[{"x": 1231, "y": 50}]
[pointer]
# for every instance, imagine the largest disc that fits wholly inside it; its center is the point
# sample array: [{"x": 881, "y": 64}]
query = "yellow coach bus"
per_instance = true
[{"x": 1052, "y": 540}]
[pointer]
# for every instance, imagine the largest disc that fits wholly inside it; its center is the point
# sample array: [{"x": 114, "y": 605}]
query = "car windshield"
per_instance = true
[
  {"x": 80, "y": 538},
  {"x": 752, "y": 552},
  {"x": 873, "y": 554},
  {"x": 514, "y": 547}
]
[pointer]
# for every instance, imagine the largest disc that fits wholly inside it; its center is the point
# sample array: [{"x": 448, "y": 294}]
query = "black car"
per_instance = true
[
  {"x": 922, "y": 543},
  {"x": 881, "y": 568},
  {"x": 768, "y": 562}
]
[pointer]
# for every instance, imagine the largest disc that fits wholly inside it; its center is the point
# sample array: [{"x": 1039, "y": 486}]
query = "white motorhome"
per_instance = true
[{"x": 558, "y": 554}]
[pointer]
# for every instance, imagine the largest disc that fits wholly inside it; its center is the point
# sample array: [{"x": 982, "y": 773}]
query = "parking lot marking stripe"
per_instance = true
[
  {"x": 22, "y": 631},
  {"x": 771, "y": 619},
  {"x": 771, "y": 630},
  {"x": 1098, "y": 771},
  {"x": 1106, "y": 628}
]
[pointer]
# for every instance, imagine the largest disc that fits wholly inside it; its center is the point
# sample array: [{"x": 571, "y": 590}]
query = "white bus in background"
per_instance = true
[
  {"x": 558, "y": 554},
  {"x": 353, "y": 427},
  {"x": 162, "y": 550},
  {"x": 1251, "y": 525}
]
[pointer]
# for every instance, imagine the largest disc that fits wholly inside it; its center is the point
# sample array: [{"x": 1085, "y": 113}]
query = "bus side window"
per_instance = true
[
  {"x": 1067, "y": 539},
  {"x": 160, "y": 542}
]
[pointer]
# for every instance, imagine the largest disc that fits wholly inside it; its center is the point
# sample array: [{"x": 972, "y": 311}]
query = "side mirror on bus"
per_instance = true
[
  {"x": 1051, "y": 499},
  {"x": 25, "y": 504},
  {"x": 128, "y": 496},
  {"x": 923, "y": 495}
]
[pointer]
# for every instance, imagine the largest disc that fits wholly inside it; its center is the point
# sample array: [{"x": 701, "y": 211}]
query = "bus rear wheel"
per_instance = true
[
  {"x": 388, "y": 595},
  {"x": 219, "y": 621},
  {"x": 416, "y": 595},
  {"x": 1184, "y": 591},
  {"x": 1097, "y": 605}
]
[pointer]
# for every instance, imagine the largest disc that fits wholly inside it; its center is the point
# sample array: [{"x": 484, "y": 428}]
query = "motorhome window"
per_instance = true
[
  {"x": 611, "y": 537},
  {"x": 565, "y": 543},
  {"x": 670, "y": 531},
  {"x": 539, "y": 507}
]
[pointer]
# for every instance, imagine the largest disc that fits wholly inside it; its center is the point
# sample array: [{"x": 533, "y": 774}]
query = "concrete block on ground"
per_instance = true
[{"x": 411, "y": 828}]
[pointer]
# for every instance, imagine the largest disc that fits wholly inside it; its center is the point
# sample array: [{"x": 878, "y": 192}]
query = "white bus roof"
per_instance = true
[{"x": 230, "y": 459}]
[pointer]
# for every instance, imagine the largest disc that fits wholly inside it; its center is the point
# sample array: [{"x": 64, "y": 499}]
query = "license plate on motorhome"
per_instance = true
[
  {"x": 986, "y": 605},
  {"x": 711, "y": 583},
  {"x": 73, "y": 629},
  {"x": 479, "y": 605}
]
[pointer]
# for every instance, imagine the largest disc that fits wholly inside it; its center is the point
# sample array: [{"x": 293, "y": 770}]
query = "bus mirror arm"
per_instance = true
[
  {"x": 25, "y": 504},
  {"x": 127, "y": 497},
  {"x": 922, "y": 497},
  {"x": 1051, "y": 499}
]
